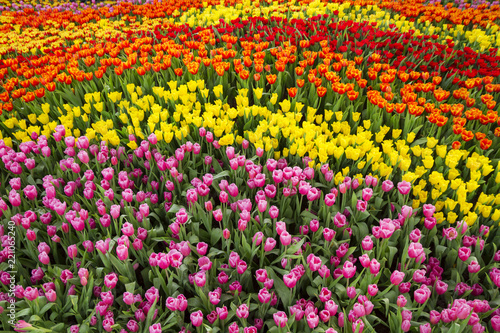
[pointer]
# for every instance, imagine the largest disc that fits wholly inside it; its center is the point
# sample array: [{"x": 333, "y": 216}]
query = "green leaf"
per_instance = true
[
  {"x": 282, "y": 291},
  {"x": 149, "y": 318},
  {"x": 215, "y": 235},
  {"x": 45, "y": 308}
]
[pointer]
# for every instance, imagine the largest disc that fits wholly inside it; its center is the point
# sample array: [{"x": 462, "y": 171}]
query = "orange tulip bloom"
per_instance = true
[
  {"x": 271, "y": 78},
  {"x": 8, "y": 107},
  {"x": 485, "y": 144},
  {"x": 141, "y": 70},
  {"x": 456, "y": 145},
  {"x": 40, "y": 92},
  {"x": 321, "y": 91},
  {"x": 292, "y": 92},
  {"x": 352, "y": 95},
  {"x": 467, "y": 135},
  {"x": 244, "y": 74},
  {"x": 29, "y": 97},
  {"x": 480, "y": 135},
  {"x": 219, "y": 69},
  {"x": 178, "y": 71},
  {"x": 119, "y": 70},
  {"x": 4, "y": 97}
]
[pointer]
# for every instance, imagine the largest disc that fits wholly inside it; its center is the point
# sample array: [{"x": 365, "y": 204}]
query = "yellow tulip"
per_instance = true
[{"x": 115, "y": 96}]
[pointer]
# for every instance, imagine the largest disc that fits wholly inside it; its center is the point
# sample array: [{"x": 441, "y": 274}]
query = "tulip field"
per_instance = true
[{"x": 250, "y": 166}]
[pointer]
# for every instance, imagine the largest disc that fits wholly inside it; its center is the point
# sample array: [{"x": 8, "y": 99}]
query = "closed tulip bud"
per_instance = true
[
  {"x": 314, "y": 225},
  {"x": 222, "y": 312},
  {"x": 197, "y": 318},
  {"x": 351, "y": 292},
  {"x": 217, "y": 215},
  {"x": 72, "y": 251},
  {"x": 349, "y": 270},
  {"x": 280, "y": 319},
  {"x": 257, "y": 238},
  {"x": 372, "y": 289},
  {"x": 270, "y": 244},
  {"x": 495, "y": 323},
  {"x": 233, "y": 328},
  {"x": 51, "y": 295},
  {"x": 426, "y": 328},
  {"x": 122, "y": 252},
  {"x": 397, "y": 277},
  {"x": 285, "y": 238},
  {"x": 405, "y": 325},
  {"x": 474, "y": 267},
  {"x": 312, "y": 320},
  {"x": 242, "y": 311}
]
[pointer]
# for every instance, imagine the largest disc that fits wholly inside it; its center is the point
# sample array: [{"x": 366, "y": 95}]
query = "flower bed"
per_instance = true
[{"x": 244, "y": 167}]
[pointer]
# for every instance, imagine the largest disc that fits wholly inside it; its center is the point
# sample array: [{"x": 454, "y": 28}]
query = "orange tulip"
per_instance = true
[
  {"x": 4, "y": 97},
  {"x": 178, "y": 71},
  {"x": 467, "y": 135},
  {"x": 271, "y": 78},
  {"x": 456, "y": 145},
  {"x": 40, "y": 92},
  {"x": 485, "y": 144},
  {"x": 352, "y": 95},
  {"x": 321, "y": 91},
  {"x": 141, "y": 70},
  {"x": 29, "y": 97}
]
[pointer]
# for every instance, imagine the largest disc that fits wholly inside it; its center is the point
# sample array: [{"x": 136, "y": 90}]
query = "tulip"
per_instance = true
[
  {"x": 349, "y": 270},
  {"x": 495, "y": 323},
  {"x": 312, "y": 320},
  {"x": 155, "y": 328},
  {"x": 372, "y": 289},
  {"x": 285, "y": 238},
  {"x": 122, "y": 252},
  {"x": 51, "y": 295},
  {"x": 269, "y": 244},
  {"x": 222, "y": 312},
  {"x": 351, "y": 292},
  {"x": 280, "y": 319},
  {"x": 196, "y": 318},
  {"x": 242, "y": 311},
  {"x": 397, "y": 277}
]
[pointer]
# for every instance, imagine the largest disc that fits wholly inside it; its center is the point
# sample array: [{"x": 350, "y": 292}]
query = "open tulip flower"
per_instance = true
[{"x": 249, "y": 166}]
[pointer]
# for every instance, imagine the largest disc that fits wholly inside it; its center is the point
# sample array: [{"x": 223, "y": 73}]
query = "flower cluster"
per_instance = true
[{"x": 181, "y": 166}]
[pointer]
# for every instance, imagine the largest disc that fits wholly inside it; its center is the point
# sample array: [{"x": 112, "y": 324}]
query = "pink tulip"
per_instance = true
[
  {"x": 197, "y": 318},
  {"x": 495, "y": 323},
  {"x": 110, "y": 280},
  {"x": 312, "y": 320},
  {"x": 242, "y": 311},
  {"x": 328, "y": 234},
  {"x": 397, "y": 277},
  {"x": 270, "y": 244},
  {"x": 285, "y": 238},
  {"x": 351, "y": 292},
  {"x": 349, "y": 270},
  {"x": 241, "y": 267},
  {"x": 122, "y": 252},
  {"x": 404, "y": 187},
  {"x": 280, "y": 319},
  {"x": 422, "y": 294},
  {"x": 290, "y": 280},
  {"x": 51, "y": 295}
]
